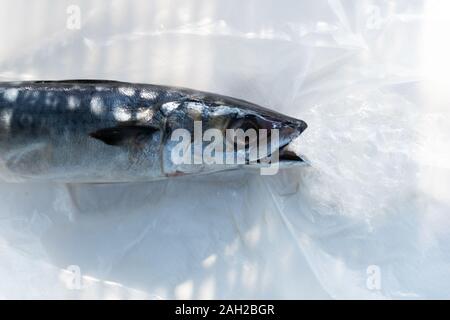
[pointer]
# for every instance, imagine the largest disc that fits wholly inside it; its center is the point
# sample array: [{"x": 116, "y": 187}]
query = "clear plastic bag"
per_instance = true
[{"x": 368, "y": 218}]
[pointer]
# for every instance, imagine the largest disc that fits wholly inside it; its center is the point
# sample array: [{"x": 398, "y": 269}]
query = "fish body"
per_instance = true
[{"x": 103, "y": 131}]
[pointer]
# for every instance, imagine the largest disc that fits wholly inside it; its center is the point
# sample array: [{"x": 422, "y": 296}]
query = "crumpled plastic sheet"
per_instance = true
[{"x": 368, "y": 219}]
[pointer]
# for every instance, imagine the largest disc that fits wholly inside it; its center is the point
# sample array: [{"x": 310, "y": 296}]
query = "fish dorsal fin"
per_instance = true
[{"x": 123, "y": 135}]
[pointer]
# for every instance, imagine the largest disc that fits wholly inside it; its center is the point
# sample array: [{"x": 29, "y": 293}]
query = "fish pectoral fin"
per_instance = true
[{"x": 124, "y": 135}]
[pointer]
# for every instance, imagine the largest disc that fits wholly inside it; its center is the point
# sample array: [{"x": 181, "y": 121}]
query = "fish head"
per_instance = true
[{"x": 231, "y": 132}]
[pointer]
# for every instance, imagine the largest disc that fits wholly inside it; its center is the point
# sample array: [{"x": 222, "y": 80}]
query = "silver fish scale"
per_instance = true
[{"x": 45, "y": 128}]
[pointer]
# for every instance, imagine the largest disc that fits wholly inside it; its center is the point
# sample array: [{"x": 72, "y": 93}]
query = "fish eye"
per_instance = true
[
  {"x": 249, "y": 125},
  {"x": 256, "y": 123},
  {"x": 245, "y": 124}
]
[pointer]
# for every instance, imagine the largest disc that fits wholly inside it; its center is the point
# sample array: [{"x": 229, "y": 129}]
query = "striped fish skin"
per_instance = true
[{"x": 101, "y": 131}]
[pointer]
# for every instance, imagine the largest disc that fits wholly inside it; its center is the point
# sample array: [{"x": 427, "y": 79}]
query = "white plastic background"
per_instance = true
[{"x": 370, "y": 79}]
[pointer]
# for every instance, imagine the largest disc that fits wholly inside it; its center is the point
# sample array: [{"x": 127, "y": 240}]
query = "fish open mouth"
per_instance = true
[
  {"x": 282, "y": 148},
  {"x": 286, "y": 157},
  {"x": 286, "y": 154},
  {"x": 288, "y": 151}
]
